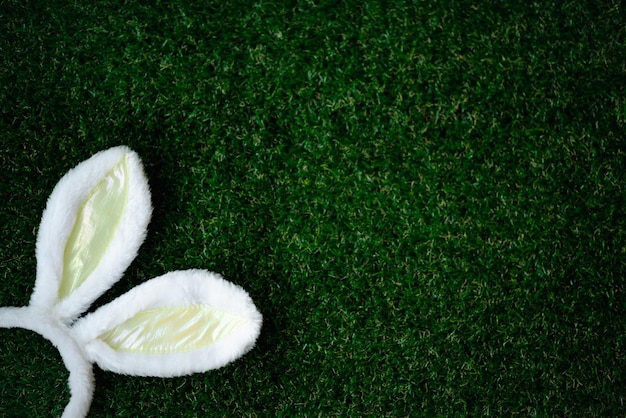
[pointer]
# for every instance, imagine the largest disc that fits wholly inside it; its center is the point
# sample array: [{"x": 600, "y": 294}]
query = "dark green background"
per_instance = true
[{"x": 424, "y": 199}]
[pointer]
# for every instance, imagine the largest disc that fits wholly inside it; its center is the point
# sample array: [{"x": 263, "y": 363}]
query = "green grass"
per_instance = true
[{"x": 425, "y": 199}]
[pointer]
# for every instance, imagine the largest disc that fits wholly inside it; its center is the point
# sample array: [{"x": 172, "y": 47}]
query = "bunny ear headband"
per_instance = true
[{"x": 176, "y": 324}]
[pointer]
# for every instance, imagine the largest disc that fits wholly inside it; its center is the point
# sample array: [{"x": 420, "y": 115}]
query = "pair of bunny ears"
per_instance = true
[{"x": 180, "y": 323}]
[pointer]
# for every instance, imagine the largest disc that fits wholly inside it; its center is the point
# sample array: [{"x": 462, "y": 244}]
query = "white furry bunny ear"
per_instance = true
[
  {"x": 176, "y": 324},
  {"x": 179, "y": 323},
  {"x": 93, "y": 225}
]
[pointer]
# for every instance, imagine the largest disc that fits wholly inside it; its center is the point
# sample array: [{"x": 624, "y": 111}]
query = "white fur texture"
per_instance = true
[
  {"x": 78, "y": 339},
  {"x": 81, "y": 380},
  {"x": 190, "y": 287},
  {"x": 58, "y": 220}
]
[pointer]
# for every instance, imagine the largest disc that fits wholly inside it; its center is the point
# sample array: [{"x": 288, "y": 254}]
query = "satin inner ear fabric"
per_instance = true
[
  {"x": 173, "y": 329},
  {"x": 95, "y": 226}
]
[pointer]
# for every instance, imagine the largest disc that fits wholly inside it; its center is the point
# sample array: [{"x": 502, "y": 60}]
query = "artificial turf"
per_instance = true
[{"x": 424, "y": 199}]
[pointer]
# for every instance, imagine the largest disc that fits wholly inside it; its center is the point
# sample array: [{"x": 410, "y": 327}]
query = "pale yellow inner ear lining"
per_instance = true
[
  {"x": 173, "y": 329},
  {"x": 95, "y": 226}
]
